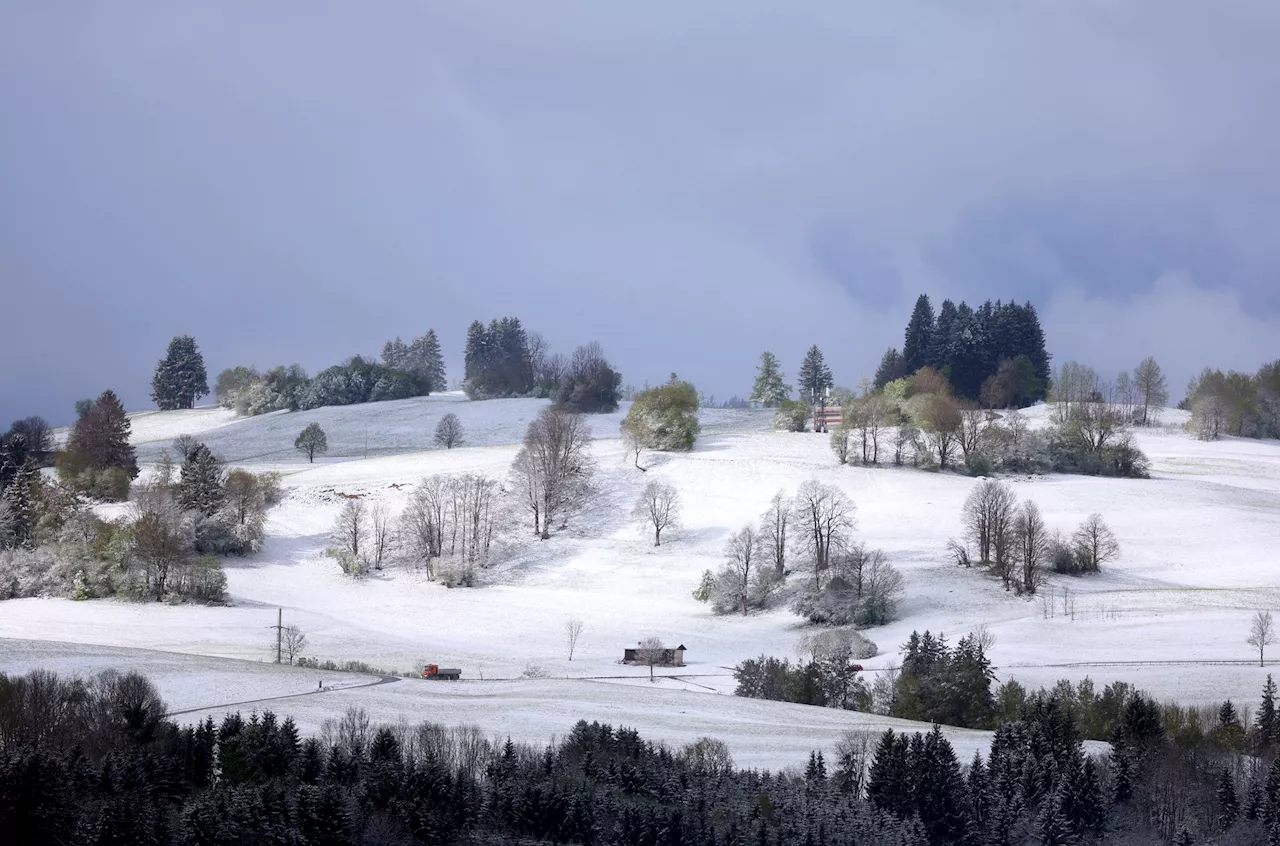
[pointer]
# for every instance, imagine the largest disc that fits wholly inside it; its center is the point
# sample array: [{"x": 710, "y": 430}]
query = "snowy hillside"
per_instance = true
[
  {"x": 1171, "y": 615},
  {"x": 385, "y": 428}
]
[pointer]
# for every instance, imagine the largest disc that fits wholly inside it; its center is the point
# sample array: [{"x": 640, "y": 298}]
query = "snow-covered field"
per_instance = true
[{"x": 1199, "y": 543}]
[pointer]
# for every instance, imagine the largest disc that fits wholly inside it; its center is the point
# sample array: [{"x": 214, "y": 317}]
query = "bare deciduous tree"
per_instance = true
[
  {"x": 774, "y": 527},
  {"x": 879, "y": 414},
  {"x": 553, "y": 469},
  {"x": 1261, "y": 634},
  {"x": 572, "y": 631},
  {"x": 470, "y": 517},
  {"x": 651, "y": 652},
  {"x": 161, "y": 538},
  {"x": 633, "y": 444},
  {"x": 1072, "y": 386},
  {"x": 733, "y": 587},
  {"x": 380, "y": 536},
  {"x": 882, "y": 587},
  {"x": 983, "y": 637},
  {"x": 973, "y": 428},
  {"x": 293, "y": 641},
  {"x": 855, "y": 751},
  {"x": 658, "y": 507},
  {"x": 422, "y": 524},
  {"x": 983, "y": 508},
  {"x": 1095, "y": 544},
  {"x": 825, "y": 519},
  {"x": 1032, "y": 539},
  {"x": 349, "y": 535},
  {"x": 1151, "y": 387},
  {"x": 707, "y": 755},
  {"x": 449, "y": 432}
]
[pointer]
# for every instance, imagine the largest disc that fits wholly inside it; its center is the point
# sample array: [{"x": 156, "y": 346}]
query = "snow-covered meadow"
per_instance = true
[{"x": 1198, "y": 539}]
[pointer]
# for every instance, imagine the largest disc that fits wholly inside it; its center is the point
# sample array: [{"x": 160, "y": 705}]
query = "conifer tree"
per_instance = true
[
  {"x": 892, "y": 367},
  {"x": 814, "y": 376},
  {"x": 919, "y": 338},
  {"x": 202, "y": 485},
  {"x": 1052, "y": 827},
  {"x": 1266, "y": 724},
  {"x": 1228, "y": 805},
  {"x": 100, "y": 439},
  {"x": 180, "y": 378},
  {"x": 769, "y": 388},
  {"x": 434, "y": 362},
  {"x": 943, "y": 341},
  {"x": 17, "y": 500}
]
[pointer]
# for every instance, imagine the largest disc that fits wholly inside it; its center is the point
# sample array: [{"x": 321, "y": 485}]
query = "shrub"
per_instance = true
[
  {"x": 26, "y": 573},
  {"x": 351, "y": 564},
  {"x": 201, "y": 579},
  {"x": 792, "y": 416},
  {"x": 980, "y": 464}
]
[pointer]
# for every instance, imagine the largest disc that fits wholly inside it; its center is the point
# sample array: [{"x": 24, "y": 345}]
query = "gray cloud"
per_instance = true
[{"x": 299, "y": 181}]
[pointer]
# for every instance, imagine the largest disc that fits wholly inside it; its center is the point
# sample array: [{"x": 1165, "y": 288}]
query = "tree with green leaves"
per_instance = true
[
  {"x": 180, "y": 378},
  {"x": 814, "y": 376},
  {"x": 663, "y": 418},
  {"x": 310, "y": 441},
  {"x": 769, "y": 388},
  {"x": 919, "y": 337}
]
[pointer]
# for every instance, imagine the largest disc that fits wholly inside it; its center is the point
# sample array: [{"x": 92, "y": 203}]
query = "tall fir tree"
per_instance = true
[
  {"x": 434, "y": 362},
  {"x": 100, "y": 439},
  {"x": 1267, "y": 724},
  {"x": 919, "y": 335},
  {"x": 17, "y": 499},
  {"x": 943, "y": 340},
  {"x": 476, "y": 356},
  {"x": 769, "y": 388},
  {"x": 180, "y": 378},
  {"x": 814, "y": 377},
  {"x": 396, "y": 354},
  {"x": 202, "y": 487},
  {"x": 892, "y": 367},
  {"x": 1228, "y": 804}
]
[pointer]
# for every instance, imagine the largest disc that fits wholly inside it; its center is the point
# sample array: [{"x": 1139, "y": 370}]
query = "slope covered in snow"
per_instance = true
[{"x": 1171, "y": 615}]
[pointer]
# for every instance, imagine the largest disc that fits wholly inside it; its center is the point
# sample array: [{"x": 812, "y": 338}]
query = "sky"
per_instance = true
[{"x": 689, "y": 184}]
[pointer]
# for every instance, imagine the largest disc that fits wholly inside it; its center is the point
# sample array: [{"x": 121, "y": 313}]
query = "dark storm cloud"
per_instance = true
[{"x": 298, "y": 181}]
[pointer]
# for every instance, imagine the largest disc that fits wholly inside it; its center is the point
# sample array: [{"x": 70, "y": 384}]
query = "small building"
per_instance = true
[{"x": 670, "y": 657}]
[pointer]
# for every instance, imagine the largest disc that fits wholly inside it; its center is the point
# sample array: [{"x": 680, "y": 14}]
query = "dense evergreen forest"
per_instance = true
[
  {"x": 96, "y": 761},
  {"x": 997, "y": 348}
]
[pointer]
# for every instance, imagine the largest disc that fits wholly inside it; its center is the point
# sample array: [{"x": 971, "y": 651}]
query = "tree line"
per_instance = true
[
  {"x": 166, "y": 546},
  {"x": 96, "y": 760},
  {"x": 1234, "y": 403}
]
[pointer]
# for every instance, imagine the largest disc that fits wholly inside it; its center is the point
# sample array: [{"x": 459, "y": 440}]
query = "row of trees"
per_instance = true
[
  {"x": 98, "y": 755},
  {"x": 1235, "y": 403}
]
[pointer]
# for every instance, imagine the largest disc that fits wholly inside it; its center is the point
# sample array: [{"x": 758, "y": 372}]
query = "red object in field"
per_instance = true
[
  {"x": 857, "y": 668},
  {"x": 433, "y": 671}
]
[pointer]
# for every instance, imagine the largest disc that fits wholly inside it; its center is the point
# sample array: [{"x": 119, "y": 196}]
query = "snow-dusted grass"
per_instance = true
[
  {"x": 1199, "y": 546},
  {"x": 384, "y": 428}
]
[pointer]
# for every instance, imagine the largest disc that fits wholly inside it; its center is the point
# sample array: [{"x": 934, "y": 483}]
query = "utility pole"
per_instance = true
[{"x": 279, "y": 627}]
